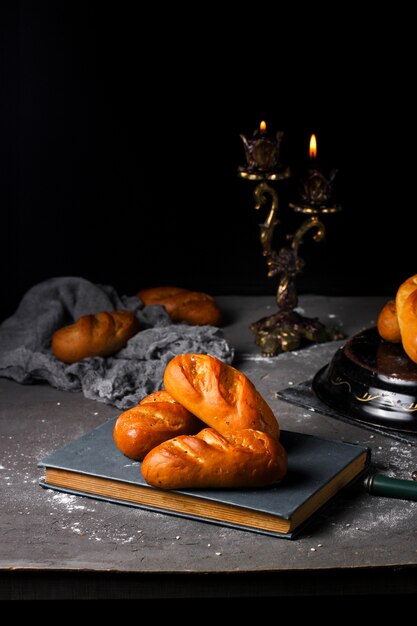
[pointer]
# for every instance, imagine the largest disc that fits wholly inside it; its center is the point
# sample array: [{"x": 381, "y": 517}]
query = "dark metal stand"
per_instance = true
[{"x": 286, "y": 329}]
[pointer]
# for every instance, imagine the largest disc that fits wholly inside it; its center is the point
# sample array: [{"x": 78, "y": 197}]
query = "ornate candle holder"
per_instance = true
[
  {"x": 286, "y": 329},
  {"x": 262, "y": 157}
]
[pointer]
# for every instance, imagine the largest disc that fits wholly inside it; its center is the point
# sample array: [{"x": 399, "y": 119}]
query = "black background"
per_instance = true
[{"x": 119, "y": 144}]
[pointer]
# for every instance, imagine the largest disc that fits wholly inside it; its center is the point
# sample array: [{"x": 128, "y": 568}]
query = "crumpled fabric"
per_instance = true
[{"x": 122, "y": 379}]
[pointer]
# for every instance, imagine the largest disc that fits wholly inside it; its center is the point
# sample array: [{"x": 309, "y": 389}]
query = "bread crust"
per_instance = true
[
  {"x": 249, "y": 458},
  {"x": 155, "y": 419},
  {"x": 100, "y": 334},
  {"x": 183, "y": 305},
  {"x": 397, "y": 321},
  {"x": 387, "y": 323},
  {"x": 406, "y": 305},
  {"x": 218, "y": 394}
]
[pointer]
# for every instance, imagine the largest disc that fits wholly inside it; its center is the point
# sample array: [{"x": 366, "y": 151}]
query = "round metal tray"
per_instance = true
[{"x": 371, "y": 381}]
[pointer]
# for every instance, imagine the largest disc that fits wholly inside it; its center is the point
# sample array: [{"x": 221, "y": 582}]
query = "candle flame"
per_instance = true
[
  {"x": 313, "y": 147},
  {"x": 262, "y": 126}
]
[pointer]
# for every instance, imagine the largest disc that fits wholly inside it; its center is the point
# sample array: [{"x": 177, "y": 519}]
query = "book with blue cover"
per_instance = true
[{"x": 318, "y": 469}]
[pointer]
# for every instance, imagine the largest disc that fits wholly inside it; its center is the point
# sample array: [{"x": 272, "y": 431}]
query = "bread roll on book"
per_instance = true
[
  {"x": 155, "y": 419},
  {"x": 218, "y": 394},
  {"x": 249, "y": 458}
]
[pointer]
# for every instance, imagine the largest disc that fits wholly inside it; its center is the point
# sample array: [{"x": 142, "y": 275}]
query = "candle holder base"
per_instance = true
[{"x": 288, "y": 330}]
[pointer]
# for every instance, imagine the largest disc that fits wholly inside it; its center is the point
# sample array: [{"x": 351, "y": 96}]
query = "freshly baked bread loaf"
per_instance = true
[
  {"x": 406, "y": 305},
  {"x": 249, "y": 458},
  {"x": 155, "y": 295},
  {"x": 220, "y": 395},
  {"x": 155, "y": 419},
  {"x": 101, "y": 334},
  {"x": 397, "y": 321},
  {"x": 158, "y": 396},
  {"x": 182, "y": 305},
  {"x": 408, "y": 287},
  {"x": 387, "y": 323}
]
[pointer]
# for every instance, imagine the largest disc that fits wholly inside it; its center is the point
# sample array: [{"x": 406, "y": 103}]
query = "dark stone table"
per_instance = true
[{"x": 55, "y": 545}]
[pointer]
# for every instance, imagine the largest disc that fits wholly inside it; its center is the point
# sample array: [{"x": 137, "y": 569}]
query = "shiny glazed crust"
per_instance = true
[
  {"x": 101, "y": 334},
  {"x": 182, "y": 305},
  {"x": 406, "y": 304},
  {"x": 155, "y": 419},
  {"x": 249, "y": 458},
  {"x": 155, "y": 295},
  {"x": 220, "y": 395},
  {"x": 387, "y": 323}
]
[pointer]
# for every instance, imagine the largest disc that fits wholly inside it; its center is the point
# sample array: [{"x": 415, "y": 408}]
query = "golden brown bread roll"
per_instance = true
[
  {"x": 406, "y": 305},
  {"x": 387, "y": 323},
  {"x": 154, "y": 295},
  {"x": 220, "y": 395},
  {"x": 183, "y": 305},
  {"x": 249, "y": 458},
  {"x": 406, "y": 289},
  {"x": 101, "y": 334},
  {"x": 397, "y": 321},
  {"x": 158, "y": 396},
  {"x": 155, "y": 419}
]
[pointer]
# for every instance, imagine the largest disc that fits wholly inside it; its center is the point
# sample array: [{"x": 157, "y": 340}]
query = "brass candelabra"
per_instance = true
[{"x": 286, "y": 329}]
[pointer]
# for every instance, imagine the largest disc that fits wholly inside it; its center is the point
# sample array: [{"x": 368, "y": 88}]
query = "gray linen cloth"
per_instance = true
[{"x": 122, "y": 379}]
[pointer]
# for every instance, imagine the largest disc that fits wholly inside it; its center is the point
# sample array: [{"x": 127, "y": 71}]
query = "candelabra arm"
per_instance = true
[
  {"x": 312, "y": 222},
  {"x": 262, "y": 190}
]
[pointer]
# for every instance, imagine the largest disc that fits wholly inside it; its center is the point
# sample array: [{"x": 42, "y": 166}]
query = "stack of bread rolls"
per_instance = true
[
  {"x": 397, "y": 321},
  {"x": 210, "y": 427}
]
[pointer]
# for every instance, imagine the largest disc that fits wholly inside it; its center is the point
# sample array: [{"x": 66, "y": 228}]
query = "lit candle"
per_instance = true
[
  {"x": 317, "y": 188},
  {"x": 313, "y": 148}
]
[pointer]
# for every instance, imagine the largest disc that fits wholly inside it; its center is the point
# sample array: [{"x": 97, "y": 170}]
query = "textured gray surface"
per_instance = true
[
  {"x": 43, "y": 529},
  {"x": 122, "y": 379}
]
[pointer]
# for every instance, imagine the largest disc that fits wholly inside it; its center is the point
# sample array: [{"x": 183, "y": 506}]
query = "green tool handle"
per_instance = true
[{"x": 380, "y": 485}]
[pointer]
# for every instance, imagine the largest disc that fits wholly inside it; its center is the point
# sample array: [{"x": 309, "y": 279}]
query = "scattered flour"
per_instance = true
[
  {"x": 401, "y": 460},
  {"x": 258, "y": 357},
  {"x": 66, "y": 506},
  {"x": 64, "y": 512},
  {"x": 381, "y": 516},
  {"x": 69, "y": 501},
  {"x": 386, "y": 513}
]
